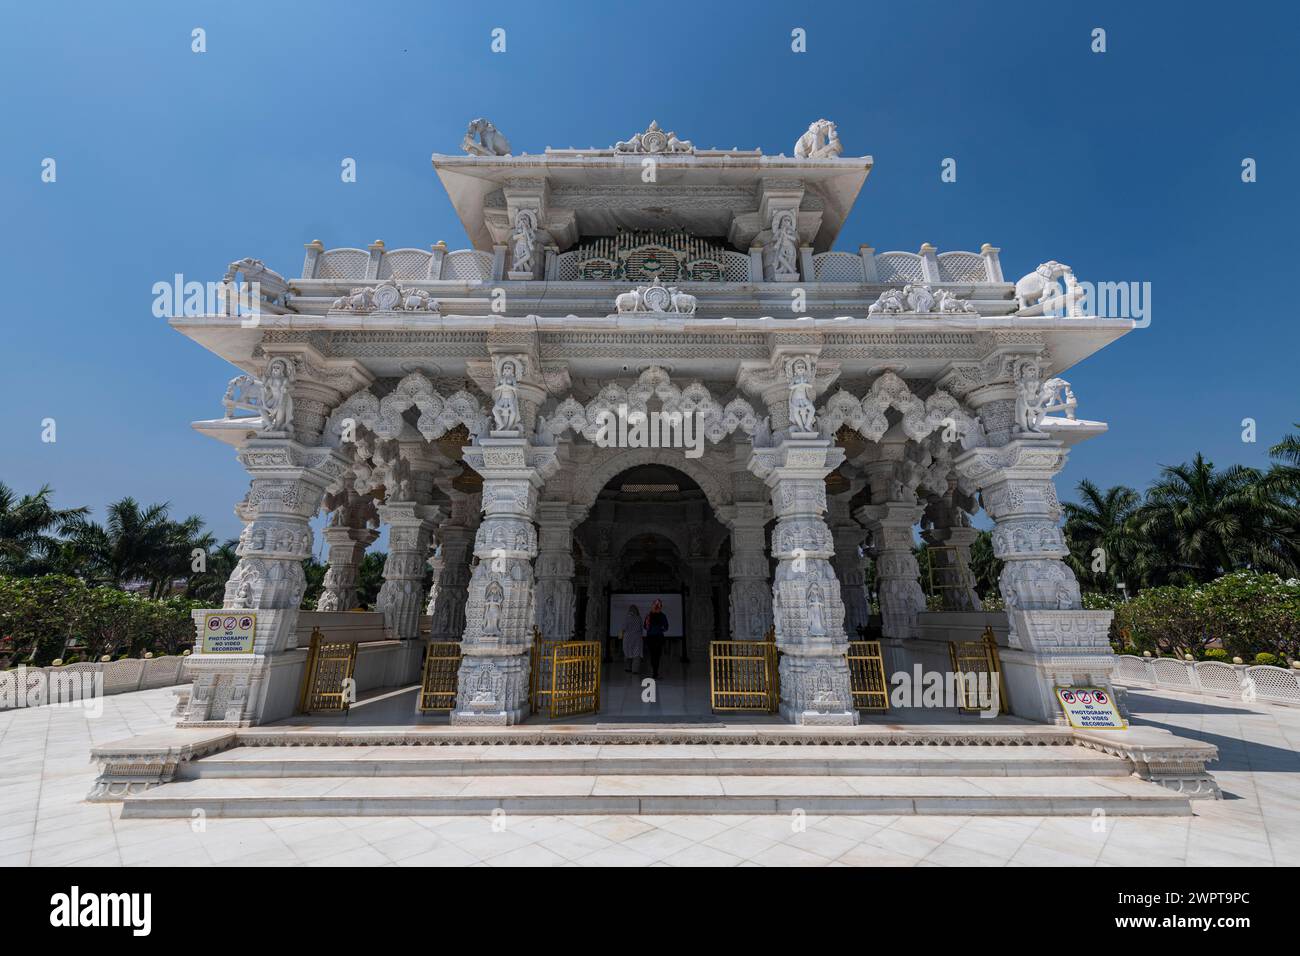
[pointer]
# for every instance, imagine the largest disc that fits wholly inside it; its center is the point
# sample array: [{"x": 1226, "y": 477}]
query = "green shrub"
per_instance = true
[
  {"x": 1217, "y": 654},
  {"x": 1264, "y": 657}
]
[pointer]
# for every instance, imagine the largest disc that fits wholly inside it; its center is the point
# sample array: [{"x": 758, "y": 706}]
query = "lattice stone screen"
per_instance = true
[
  {"x": 405, "y": 264},
  {"x": 1171, "y": 673},
  {"x": 1274, "y": 683},
  {"x": 899, "y": 267},
  {"x": 961, "y": 267},
  {"x": 347, "y": 264},
  {"x": 119, "y": 677},
  {"x": 1219, "y": 678},
  {"x": 1266, "y": 683},
  {"x": 837, "y": 267},
  {"x": 468, "y": 265},
  {"x": 735, "y": 267}
]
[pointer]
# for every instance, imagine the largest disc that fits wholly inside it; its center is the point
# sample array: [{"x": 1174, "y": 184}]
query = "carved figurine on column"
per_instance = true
[
  {"x": 524, "y": 242},
  {"x": 803, "y": 413},
  {"x": 277, "y": 397},
  {"x": 505, "y": 406}
]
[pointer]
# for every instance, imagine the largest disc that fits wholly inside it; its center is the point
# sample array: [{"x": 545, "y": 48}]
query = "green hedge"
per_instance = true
[
  {"x": 1248, "y": 613},
  {"x": 38, "y": 616}
]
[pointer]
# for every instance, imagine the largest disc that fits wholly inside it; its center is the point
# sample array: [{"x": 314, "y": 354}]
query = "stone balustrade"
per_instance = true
[
  {"x": 1263, "y": 682},
  {"x": 87, "y": 679}
]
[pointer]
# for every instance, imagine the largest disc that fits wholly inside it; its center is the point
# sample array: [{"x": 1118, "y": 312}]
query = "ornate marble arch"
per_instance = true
[
  {"x": 718, "y": 421},
  {"x": 920, "y": 418},
  {"x": 588, "y": 483},
  {"x": 384, "y": 416}
]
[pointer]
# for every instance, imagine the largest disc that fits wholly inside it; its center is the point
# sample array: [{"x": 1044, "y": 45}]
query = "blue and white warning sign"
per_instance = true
[
  {"x": 1090, "y": 708},
  {"x": 228, "y": 632}
]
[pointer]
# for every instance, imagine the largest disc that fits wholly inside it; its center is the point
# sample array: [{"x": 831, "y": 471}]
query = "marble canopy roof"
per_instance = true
[{"x": 589, "y": 193}]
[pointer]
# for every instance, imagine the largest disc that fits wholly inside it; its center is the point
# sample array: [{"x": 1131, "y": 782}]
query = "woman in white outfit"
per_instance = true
[{"x": 633, "y": 639}]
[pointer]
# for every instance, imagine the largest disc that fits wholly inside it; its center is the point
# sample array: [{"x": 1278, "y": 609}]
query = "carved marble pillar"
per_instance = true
[
  {"x": 451, "y": 568},
  {"x": 555, "y": 596},
  {"x": 401, "y": 597},
  {"x": 1052, "y": 641},
  {"x": 499, "y": 612},
  {"x": 347, "y": 548},
  {"x": 848, "y": 563},
  {"x": 946, "y": 529},
  {"x": 699, "y": 630},
  {"x": 350, "y": 531},
  {"x": 599, "y": 574},
  {"x": 806, "y": 602},
  {"x": 751, "y": 585},
  {"x": 288, "y": 482},
  {"x": 893, "y": 472}
]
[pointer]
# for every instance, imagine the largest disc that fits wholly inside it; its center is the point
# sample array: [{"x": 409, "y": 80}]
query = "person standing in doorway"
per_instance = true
[
  {"x": 633, "y": 640},
  {"x": 656, "y": 626}
]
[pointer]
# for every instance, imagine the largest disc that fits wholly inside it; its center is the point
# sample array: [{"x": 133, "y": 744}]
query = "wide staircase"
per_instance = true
[{"x": 660, "y": 771}]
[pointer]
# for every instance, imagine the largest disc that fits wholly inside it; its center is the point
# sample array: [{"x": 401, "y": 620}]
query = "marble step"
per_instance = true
[
  {"x": 655, "y": 794},
  {"x": 635, "y": 759}
]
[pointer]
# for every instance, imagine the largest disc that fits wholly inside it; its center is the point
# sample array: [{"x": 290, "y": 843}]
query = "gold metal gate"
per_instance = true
[
  {"x": 540, "y": 659},
  {"x": 867, "y": 676},
  {"x": 973, "y": 659},
  {"x": 743, "y": 676},
  {"x": 575, "y": 678},
  {"x": 326, "y": 682},
  {"x": 441, "y": 677}
]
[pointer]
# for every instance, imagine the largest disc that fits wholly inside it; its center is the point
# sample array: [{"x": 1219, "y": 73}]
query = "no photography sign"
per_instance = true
[{"x": 228, "y": 632}]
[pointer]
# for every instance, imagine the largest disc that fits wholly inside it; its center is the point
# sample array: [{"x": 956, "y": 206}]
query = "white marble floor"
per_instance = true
[{"x": 45, "y": 773}]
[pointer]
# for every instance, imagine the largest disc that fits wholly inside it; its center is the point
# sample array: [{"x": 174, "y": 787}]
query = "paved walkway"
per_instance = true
[{"x": 45, "y": 773}]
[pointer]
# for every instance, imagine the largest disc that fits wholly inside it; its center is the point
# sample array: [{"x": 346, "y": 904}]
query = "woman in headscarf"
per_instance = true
[
  {"x": 633, "y": 639},
  {"x": 656, "y": 626}
]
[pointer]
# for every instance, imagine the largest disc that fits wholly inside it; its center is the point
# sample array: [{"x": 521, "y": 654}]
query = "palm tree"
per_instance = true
[
  {"x": 138, "y": 545},
  {"x": 1198, "y": 523},
  {"x": 28, "y": 531},
  {"x": 209, "y": 586},
  {"x": 1101, "y": 520}
]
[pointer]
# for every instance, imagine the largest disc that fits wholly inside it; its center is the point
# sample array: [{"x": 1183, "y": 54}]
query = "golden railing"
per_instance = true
[
  {"x": 539, "y": 672},
  {"x": 976, "y": 658},
  {"x": 743, "y": 676},
  {"x": 327, "y": 679},
  {"x": 441, "y": 677},
  {"x": 575, "y": 678},
  {"x": 867, "y": 676}
]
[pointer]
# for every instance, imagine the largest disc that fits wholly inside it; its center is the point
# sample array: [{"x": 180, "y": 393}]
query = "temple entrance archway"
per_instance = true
[{"x": 651, "y": 532}]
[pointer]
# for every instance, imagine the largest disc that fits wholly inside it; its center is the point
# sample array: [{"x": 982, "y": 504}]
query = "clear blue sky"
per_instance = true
[{"x": 1126, "y": 165}]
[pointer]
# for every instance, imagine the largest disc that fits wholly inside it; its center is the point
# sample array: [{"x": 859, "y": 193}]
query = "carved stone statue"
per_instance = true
[
  {"x": 803, "y": 412},
  {"x": 654, "y": 140},
  {"x": 890, "y": 302},
  {"x": 655, "y": 297},
  {"x": 948, "y": 303},
  {"x": 785, "y": 244},
  {"x": 277, "y": 396},
  {"x": 524, "y": 241},
  {"x": 505, "y": 405},
  {"x": 816, "y": 610},
  {"x": 492, "y": 601},
  {"x": 1031, "y": 397},
  {"x": 1037, "y": 287},
  {"x": 821, "y": 141},
  {"x": 484, "y": 139}
]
